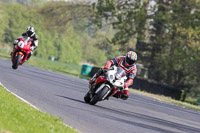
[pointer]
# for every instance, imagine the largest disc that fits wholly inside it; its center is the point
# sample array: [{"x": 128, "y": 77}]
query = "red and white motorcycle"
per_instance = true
[
  {"x": 21, "y": 52},
  {"x": 104, "y": 85}
]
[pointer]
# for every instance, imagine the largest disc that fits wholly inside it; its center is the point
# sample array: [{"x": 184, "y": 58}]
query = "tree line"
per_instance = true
[
  {"x": 164, "y": 33},
  {"x": 65, "y": 30}
]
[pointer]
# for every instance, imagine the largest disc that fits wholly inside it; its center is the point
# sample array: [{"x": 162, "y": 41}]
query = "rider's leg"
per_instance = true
[
  {"x": 124, "y": 94},
  {"x": 92, "y": 81},
  {"x": 30, "y": 54}
]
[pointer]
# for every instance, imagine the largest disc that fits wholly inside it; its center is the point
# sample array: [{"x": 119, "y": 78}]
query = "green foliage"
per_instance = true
[
  {"x": 26, "y": 2},
  {"x": 70, "y": 69},
  {"x": 16, "y": 116},
  {"x": 63, "y": 29},
  {"x": 3, "y": 21},
  {"x": 166, "y": 35},
  {"x": 127, "y": 17},
  {"x": 65, "y": 46},
  {"x": 179, "y": 49}
]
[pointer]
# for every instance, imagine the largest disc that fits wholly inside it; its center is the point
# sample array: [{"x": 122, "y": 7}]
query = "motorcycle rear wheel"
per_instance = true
[
  {"x": 16, "y": 61},
  {"x": 98, "y": 97}
]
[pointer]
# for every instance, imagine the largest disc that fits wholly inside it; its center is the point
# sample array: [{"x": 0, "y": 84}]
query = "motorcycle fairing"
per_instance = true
[
  {"x": 100, "y": 79},
  {"x": 24, "y": 50}
]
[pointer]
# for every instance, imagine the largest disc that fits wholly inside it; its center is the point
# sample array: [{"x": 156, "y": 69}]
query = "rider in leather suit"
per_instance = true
[
  {"x": 30, "y": 32},
  {"x": 128, "y": 63}
]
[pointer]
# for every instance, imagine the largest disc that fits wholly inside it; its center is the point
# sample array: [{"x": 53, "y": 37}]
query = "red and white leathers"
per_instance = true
[{"x": 130, "y": 70}]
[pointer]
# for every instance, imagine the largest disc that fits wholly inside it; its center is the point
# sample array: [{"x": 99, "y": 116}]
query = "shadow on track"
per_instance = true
[
  {"x": 103, "y": 112},
  {"x": 71, "y": 99},
  {"x": 146, "y": 118}
]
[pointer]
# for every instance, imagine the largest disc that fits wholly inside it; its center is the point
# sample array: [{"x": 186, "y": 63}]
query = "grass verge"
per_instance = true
[
  {"x": 168, "y": 100},
  {"x": 55, "y": 66},
  {"x": 16, "y": 116},
  {"x": 4, "y": 54}
]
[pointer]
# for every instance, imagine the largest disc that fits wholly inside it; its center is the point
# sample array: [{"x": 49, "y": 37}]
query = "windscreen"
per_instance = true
[
  {"x": 26, "y": 39},
  {"x": 120, "y": 73}
]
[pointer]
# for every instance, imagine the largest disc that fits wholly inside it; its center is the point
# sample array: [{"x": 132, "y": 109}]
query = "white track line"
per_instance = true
[{"x": 22, "y": 99}]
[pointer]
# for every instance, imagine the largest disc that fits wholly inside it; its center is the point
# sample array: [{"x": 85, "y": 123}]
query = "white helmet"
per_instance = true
[{"x": 30, "y": 31}]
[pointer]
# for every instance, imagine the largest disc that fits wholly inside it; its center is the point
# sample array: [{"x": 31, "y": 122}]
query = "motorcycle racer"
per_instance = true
[
  {"x": 30, "y": 32},
  {"x": 128, "y": 63}
]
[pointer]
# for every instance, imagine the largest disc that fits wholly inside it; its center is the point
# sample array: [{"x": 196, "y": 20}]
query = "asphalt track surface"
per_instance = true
[{"x": 62, "y": 96}]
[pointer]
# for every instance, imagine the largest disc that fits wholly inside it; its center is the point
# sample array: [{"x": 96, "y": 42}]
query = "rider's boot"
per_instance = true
[
  {"x": 28, "y": 57},
  {"x": 117, "y": 95},
  {"x": 30, "y": 54},
  {"x": 122, "y": 94}
]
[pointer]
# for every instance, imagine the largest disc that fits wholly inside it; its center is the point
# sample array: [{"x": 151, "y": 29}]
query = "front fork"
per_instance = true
[{"x": 94, "y": 89}]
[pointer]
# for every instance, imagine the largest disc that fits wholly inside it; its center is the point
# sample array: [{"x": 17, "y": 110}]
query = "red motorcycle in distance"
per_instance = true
[{"x": 21, "y": 52}]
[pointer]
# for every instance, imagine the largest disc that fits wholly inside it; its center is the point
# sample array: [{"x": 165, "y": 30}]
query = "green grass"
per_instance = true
[
  {"x": 70, "y": 69},
  {"x": 55, "y": 66},
  {"x": 18, "y": 117},
  {"x": 4, "y": 54}
]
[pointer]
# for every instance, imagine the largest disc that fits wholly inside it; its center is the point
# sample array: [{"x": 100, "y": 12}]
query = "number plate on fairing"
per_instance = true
[{"x": 21, "y": 44}]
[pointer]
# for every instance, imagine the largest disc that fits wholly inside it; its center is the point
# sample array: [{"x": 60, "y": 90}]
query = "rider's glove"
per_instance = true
[
  {"x": 15, "y": 42},
  {"x": 128, "y": 83},
  {"x": 107, "y": 66}
]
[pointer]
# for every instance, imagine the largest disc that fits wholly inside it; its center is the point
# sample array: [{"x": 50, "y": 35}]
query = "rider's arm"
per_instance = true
[
  {"x": 35, "y": 42},
  {"x": 23, "y": 34},
  {"x": 128, "y": 82},
  {"x": 108, "y": 65},
  {"x": 131, "y": 76},
  {"x": 114, "y": 61},
  {"x": 17, "y": 40}
]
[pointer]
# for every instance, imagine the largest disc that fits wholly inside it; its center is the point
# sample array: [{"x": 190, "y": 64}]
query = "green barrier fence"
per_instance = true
[
  {"x": 198, "y": 100},
  {"x": 86, "y": 69}
]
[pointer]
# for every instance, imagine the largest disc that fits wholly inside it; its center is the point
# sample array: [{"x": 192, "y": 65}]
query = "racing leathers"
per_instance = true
[
  {"x": 34, "y": 43},
  {"x": 130, "y": 70}
]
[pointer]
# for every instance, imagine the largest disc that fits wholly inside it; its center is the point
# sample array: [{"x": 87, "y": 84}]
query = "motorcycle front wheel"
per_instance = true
[
  {"x": 87, "y": 97},
  {"x": 16, "y": 61},
  {"x": 98, "y": 96}
]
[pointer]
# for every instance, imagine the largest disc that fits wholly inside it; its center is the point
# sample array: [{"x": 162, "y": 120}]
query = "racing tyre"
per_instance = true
[
  {"x": 16, "y": 61},
  {"x": 98, "y": 97},
  {"x": 87, "y": 97}
]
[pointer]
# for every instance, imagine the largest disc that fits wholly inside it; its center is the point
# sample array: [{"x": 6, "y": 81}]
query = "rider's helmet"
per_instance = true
[
  {"x": 30, "y": 31},
  {"x": 131, "y": 58}
]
